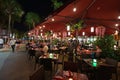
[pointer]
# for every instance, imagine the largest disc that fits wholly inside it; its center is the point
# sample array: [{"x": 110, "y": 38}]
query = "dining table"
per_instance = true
[
  {"x": 95, "y": 66},
  {"x": 52, "y": 56},
  {"x": 95, "y": 63}
]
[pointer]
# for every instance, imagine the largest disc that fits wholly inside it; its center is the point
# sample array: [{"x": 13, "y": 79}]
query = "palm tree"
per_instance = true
[
  {"x": 76, "y": 27},
  {"x": 12, "y": 10},
  {"x": 31, "y": 19},
  {"x": 56, "y": 4}
]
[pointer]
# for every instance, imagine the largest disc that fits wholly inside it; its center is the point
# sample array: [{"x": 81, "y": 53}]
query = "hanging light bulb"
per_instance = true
[
  {"x": 83, "y": 33},
  {"x": 43, "y": 25},
  {"x": 68, "y": 27},
  {"x": 92, "y": 29},
  {"x": 116, "y": 25},
  {"x": 69, "y": 33},
  {"x": 74, "y": 9},
  {"x": 53, "y": 19},
  {"x": 118, "y": 17}
]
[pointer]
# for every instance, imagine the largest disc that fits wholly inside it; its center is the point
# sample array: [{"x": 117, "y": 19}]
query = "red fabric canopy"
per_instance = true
[{"x": 92, "y": 12}]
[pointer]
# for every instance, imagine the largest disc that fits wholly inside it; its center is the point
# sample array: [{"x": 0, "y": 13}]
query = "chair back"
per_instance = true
[
  {"x": 104, "y": 73},
  {"x": 31, "y": 52},
  {"x": 38, "y": 74},
  {"x": 47, "y": 63},
  {"x": 72, "y": 66}
]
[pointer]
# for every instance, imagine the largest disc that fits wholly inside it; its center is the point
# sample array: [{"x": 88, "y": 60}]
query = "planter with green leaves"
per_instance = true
[{"x": 107, "y": 45}]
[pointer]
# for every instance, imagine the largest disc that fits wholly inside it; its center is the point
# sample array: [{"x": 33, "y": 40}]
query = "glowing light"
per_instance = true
[
  {"x": 43, "y": 25},
  {"x": 69, "y": 33},
  {"x": 92, "y": 29},
  {"x": 53, "y": 19},
  {"x": 83, "y": 33},
  {"x": 41, "y": 30},
  {"x": 74, "y": 9},
  {"x": 116, "y": 24},
  {"x": 68, "y": 27},
  {"x": 41, "y": 34},
  {"x": 40, "y": 27},
  {"x": 116, "y": 32},
  {"x": 29, "y": 33},
  {"x": 118, "y": 17}
]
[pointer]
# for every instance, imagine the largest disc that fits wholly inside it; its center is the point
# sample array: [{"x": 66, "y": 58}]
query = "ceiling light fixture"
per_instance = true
[
  {"x": 83, "y": 33},
  {"x": 53, "y": 19},
  {"x": 74, "y": 7},
  {"x": 40, "y": 27},
  {"x": 118, "y": 17},
  {"x": 116, "y": 25},
  {"x": 68, "y": 27},
  {"x": 43, "y": 25},
  {"x": 92, "y": 29}
]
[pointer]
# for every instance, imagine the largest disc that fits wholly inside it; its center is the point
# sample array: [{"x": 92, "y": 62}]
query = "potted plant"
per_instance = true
[{"x": 107, "y": 46}]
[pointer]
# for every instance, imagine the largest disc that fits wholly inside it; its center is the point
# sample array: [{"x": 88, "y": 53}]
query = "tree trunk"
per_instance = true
[{"x": 9, "y": 24}]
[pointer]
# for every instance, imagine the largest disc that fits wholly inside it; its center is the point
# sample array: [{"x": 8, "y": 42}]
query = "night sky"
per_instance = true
[{"x": 42, "y": 7}]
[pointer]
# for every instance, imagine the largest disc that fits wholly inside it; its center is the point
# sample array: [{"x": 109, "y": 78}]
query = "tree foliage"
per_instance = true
[
  {"x": 56, "y": 4},
  {"x": 78, "y": 25},
  {"x": 12, "y": 10},
  {"x": 106, "y": 44},
  {"x": 31, "y": 19}
]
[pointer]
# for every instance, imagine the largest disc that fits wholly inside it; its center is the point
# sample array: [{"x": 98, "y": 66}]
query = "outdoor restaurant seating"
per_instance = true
[
  {"x": 47, "y": 63},
  {"x": 31, "y": 53},
  {"x": 37, "y": 55}
]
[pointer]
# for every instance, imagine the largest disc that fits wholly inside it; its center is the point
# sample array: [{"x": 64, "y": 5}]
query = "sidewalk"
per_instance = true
[
  {"x": 5, "y": 48},
  {"x": 8, "y": 48}
]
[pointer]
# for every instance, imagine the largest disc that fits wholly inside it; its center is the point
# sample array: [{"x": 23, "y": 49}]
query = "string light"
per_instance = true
[
  {"x": 83, "y": 33},
  {"x": 68, "y": 27},
  {"x": 118, "y": 17},
  {"x": 92, "y": 29},
  {"x": 53, "y": 19},
  {"x": 74, "y": 9},
  {"x": 116, "y": 24}
]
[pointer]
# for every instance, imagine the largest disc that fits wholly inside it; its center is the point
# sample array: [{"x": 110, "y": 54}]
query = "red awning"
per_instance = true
[{"x": 92, "y": 12}]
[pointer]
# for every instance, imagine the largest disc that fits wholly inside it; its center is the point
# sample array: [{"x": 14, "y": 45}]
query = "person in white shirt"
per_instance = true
[
  {"x": 12, "y": 44},
  {"x": 1, "y": 43}
]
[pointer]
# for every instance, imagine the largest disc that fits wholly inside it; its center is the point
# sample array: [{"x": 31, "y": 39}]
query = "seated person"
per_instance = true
[
  {"x": 98, "y": 51},
  {"x": 45, "y": 48},
  {"x": 78, "y": 50}
]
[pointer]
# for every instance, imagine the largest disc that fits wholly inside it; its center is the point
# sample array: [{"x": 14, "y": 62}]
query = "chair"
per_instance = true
[
  {"x": 59, "y": 61},
  {"x": 82, "y": 66},
  {"x": 114, "y": 63},
  {"x": 72, "y": 66},
  {"x": 104, "y": 73},
  {"x": 31, "y": 53},
  {"x": 38, "y": 74},
  {"x": 47, "y": 63},
  {"x": 37, "y": 55}
]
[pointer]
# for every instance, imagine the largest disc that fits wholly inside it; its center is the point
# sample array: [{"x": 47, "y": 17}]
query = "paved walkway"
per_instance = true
[
  {"x": 15, "y": 66},
  {"x": 3, "y": 57}
]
